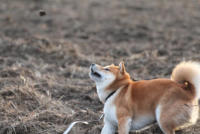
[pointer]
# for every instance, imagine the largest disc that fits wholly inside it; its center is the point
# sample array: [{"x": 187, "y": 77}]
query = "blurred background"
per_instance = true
[{"x": 47, "y": 46}]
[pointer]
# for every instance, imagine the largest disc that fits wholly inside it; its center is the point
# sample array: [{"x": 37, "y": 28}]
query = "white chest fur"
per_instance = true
[{"x": 110, "y": 109}]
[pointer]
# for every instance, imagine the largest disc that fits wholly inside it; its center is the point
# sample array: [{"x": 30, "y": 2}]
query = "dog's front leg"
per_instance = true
[
  {"x": 124, "y": 125},
  {"x": 108, "y": 128}
]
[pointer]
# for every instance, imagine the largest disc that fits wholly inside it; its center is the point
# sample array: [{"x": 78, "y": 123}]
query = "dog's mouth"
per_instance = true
[{"x": 96, "y": 74}]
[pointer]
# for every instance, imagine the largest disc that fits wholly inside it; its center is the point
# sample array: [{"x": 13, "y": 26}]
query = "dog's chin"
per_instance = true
[{"x": 95, "y": 76}]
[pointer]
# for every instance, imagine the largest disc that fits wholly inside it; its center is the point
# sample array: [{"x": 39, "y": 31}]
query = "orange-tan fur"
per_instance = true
[{"x": 172, "y": 103}]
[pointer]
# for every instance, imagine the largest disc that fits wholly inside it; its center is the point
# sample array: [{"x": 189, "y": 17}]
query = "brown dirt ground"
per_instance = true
[{"x": 44, "y": 60}]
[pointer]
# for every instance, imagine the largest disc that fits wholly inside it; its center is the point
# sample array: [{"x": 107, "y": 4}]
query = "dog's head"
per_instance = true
[{"x": 108, "y": 75}]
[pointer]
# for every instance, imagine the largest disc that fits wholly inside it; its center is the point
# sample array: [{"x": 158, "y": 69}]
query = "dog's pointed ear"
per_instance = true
[{"x": 122, "y": 67}]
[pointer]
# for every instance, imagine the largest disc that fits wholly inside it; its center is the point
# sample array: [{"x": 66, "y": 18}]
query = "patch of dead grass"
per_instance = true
[{"x": 23, "y": 109}]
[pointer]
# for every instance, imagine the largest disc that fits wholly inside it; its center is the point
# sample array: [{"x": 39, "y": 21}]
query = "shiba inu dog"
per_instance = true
[{"x": 131, "y": 105}]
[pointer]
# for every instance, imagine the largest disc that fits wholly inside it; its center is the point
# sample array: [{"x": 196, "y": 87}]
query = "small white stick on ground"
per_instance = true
[{"x": 72, "y": 124}]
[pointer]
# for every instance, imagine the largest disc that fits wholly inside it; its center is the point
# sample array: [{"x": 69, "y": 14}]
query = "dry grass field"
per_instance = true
[{"x": 44, "y": 60}]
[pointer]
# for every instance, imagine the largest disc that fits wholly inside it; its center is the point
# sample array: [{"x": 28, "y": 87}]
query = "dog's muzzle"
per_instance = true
[{"x": 94, "y": 71}]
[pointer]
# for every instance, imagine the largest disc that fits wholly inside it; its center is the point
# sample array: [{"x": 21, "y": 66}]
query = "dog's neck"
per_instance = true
[
  {"x": 110, "y": 95},
  {"x": 102, "y": 93},
  {"x": 105, "y": 92}
]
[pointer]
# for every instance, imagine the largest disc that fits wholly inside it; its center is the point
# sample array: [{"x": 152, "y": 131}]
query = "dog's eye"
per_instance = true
[{"x": 107, "y": 69}]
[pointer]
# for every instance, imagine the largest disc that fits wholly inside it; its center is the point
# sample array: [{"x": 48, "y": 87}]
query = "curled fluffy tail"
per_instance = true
[{"x": 188, "y": 72}]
